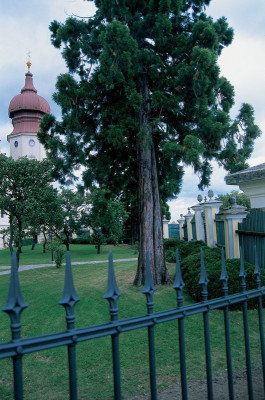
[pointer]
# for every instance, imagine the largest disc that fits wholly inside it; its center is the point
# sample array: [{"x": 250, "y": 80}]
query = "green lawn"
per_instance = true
[
  {"x": 79, "y": 252},
  {"x": 45, "y": 373}
]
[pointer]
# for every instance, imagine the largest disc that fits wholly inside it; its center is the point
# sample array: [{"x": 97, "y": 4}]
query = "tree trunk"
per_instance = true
[
  {"x": 44, "y": 243},
  {"x": 150, "y": 218},
  {"x": 19, "y": 245},
  {"x": 11, "y": 234}
]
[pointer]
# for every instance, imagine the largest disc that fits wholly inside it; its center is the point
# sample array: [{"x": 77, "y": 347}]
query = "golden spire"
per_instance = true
[{"x": 28, "y": 62}]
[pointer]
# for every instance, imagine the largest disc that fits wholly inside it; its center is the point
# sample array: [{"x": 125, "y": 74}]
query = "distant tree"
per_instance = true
[
  {"x": 107, "y": 214},
  {"x": 142, "y": 98},
  {"x": 22, "y": 186},
  {"x": 72, "y": 206},
  {"x": 241, "y": 199},
  {"x": 45, "y": 216}
]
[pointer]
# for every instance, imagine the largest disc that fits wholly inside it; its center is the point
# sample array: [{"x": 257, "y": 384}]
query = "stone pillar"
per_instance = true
[
  {"x": 188, "y": 218},
  {"x": 165, "y": 228},
  {"x": 211, "y": 207},
  {"x": 198, "y": 210},
  {"x": 181, "y": 223},
  {"x": 231, "y": 217}
]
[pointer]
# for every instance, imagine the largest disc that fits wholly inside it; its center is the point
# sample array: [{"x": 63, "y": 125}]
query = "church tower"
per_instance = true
[{"x": 26, "y": 110}]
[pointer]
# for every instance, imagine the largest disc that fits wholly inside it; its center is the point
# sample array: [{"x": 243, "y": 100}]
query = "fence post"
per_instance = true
[
  {"x": 181, "y": 223},
  {"x": 165, "y": 228},
  {"x": 211, "y": 207},
  {"x": 231, "y": 217},
  {"x": 198, "y": 209},
  {"x": 188, "y": 218}
]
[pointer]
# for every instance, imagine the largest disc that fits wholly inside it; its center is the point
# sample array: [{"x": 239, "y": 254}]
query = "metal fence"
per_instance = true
[
  {"x": 252, "y": 235},
  {"x": 220, "y": 231},
  {"x": 173, "y": 230},
  {"x": 18, "y": 347}
]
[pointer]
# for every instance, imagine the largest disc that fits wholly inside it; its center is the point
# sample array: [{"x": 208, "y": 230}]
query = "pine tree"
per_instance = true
[{"x": 144, "y": 96}]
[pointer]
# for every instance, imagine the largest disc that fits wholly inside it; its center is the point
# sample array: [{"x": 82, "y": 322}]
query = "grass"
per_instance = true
[
  {"x": 46, "y": 372},
  {"x": 79, "y": 252}
]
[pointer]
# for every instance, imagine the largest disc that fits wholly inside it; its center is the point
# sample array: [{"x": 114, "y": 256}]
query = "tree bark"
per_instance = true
[
  {"x": 150, "y": 218},
  {"x": 11, "y": 234}
]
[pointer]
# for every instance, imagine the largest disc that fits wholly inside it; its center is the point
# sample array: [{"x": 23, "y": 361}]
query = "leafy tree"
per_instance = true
[
  {"x": 108, "y": 214},
  {"x": 46, "y": 215},
  {"x": 241, "y": 199},
  {"x": 144, "y": 96},
  {"x": 71, "y": 207},
  {"x": 23, "y": 185}
]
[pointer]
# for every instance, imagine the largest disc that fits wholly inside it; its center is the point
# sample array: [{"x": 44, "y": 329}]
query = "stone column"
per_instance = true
[
  {"x": 165, "y": 228},
  {"x": 181, "y": 223},
  {"x": 198, "y": 210},
  {"x": 231, "y": 217},
  {"x": 188, "y": 218},
  {"x": 211, "y": 207}
]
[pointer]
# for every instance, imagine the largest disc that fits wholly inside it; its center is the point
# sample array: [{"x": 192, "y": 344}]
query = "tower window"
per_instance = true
[
  {"x": 32, "y": 143},
  {"x": 16, "y": 143}
]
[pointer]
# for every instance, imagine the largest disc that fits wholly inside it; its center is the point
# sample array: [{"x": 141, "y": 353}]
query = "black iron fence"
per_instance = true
[{"x": 18, "y": 347}]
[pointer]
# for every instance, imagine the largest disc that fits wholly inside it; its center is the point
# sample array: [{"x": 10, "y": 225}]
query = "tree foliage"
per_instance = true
[
  {"x": 241, "y": 199},
  {"x": 142, "y": 98},
  {"x": 25, "y": 186},
  {"x": 107, "y": 213}
]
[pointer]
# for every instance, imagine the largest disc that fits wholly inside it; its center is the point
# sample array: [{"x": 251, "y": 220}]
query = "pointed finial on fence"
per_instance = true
[
  {"x": 112, "y": 294},
  {"x": 178, "y": 284},
  {"x": 149, "y": 286},
  {"x": 69, "y": 297},
  {"x": 224, "y": 276},
  {"x": 203, "y": 279},
  {"x": 15, "y": 303},
  {"x": 242, "y": 273},
  {"x": 257, "y": 269}
]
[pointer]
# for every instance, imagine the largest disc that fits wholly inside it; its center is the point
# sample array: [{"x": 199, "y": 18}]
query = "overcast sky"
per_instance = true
[{"x": 24, "y": 27}]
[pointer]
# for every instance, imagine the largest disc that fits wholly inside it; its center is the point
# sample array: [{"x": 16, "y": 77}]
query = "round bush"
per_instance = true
[
  {"x": 185, "y": 248},
  {"x": 191, "y": 267}
]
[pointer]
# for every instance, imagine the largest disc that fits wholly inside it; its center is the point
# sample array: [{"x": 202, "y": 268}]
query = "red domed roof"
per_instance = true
[
  {"x": 27, "y": 109},
  {"x": 28, "y": 100}
]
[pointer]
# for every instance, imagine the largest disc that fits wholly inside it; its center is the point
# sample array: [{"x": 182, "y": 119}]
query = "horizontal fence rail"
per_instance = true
[{"x": 18, "y": 347}]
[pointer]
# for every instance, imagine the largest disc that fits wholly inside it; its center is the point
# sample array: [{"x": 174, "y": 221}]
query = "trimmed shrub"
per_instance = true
[
  {"x": 27, "y": 241},
  {"x": 185, "y": 248},
  {"x": 190, "y": 267},
  {"x": 172, "y": 243},
  {"x": 80, "y": 241}
]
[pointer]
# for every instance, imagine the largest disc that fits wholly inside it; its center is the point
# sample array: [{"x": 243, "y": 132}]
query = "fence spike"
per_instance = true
[
  {"x": 242, "y": 273},
  {"x": 15, "y": 303},
  {"x": 149, "y": 286},
  {"x": 69, "y": 297},
  {"x": 224, "y": 276},
  {"x": 203, "y": 279},
  {"x": 257, "y": 269},
  {"x": 178, "y": 284},
  {"x": 112, "y": 294}
]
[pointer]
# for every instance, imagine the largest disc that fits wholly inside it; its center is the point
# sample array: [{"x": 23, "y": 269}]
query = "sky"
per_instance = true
[{"x": 24, "y": 27}]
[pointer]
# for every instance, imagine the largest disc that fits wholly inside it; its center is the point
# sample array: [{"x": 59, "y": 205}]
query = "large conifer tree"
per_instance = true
[{"x": 143, "y": 96}]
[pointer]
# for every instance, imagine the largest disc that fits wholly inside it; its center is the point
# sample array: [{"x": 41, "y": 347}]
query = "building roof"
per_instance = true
[
  {"x": 249, "y": 174},
  {"x": 27, "y": 109}
]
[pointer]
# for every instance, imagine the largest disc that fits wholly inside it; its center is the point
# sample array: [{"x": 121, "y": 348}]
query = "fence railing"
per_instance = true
[{"x": 18, "y": 347}]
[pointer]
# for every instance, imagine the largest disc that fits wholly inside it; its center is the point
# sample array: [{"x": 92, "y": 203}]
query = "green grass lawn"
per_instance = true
[
  {"x": 46, "y": 373},
  {"x": 79, "y": 252}
]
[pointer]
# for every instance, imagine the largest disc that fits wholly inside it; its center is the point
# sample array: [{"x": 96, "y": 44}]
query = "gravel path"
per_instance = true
[{"x": 6, "y": 270}]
